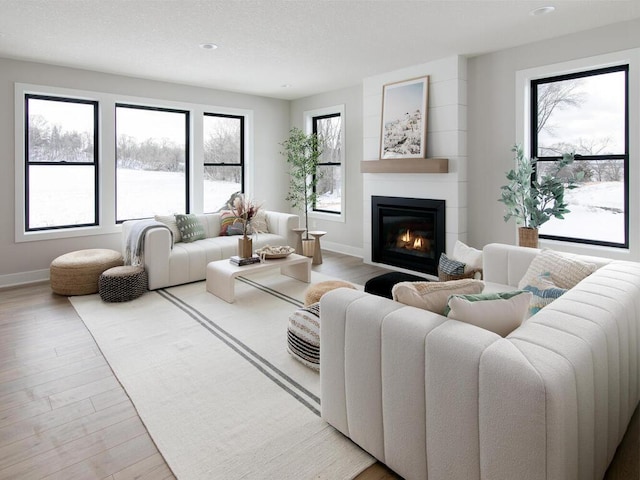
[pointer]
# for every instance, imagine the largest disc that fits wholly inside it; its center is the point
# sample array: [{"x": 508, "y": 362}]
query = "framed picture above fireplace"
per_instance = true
[{"x": 404, "y": 119}]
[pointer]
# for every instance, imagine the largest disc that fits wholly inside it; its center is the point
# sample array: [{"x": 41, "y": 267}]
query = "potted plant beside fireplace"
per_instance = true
[
  {"x": 302, "y": 152},
  {"x": 533, "y": 200}
]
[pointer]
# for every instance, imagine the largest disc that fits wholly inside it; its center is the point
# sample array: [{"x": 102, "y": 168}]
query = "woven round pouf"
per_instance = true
[
  {"x": 77, "y": 273},
  {"x": 314, "y": 293},
  {"x": 121, "y": 284}
]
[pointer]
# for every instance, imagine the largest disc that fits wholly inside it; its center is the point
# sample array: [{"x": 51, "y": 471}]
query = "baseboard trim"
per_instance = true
[
  {"x": 24, "y": 278},
  {"x": 340, "y": 248}
]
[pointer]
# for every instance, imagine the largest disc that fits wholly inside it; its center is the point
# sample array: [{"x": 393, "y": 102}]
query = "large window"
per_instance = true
[
  {"x": 329, "y": 128},
  {"x": 152, "y": 161},
  {"x": 61, "y": 164},
  {"x": 586, "y": 113},
  {"x": 223, "y": 159}
]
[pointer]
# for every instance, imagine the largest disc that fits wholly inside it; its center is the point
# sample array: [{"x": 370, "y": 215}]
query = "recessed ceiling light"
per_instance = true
[
  {"x": 542, "y": 11},
  {"x": 208, "y": 46}
]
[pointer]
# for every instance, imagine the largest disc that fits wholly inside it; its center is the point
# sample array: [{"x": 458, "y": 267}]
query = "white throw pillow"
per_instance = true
[
  {"x": 471, "y": 257},
  {"x": 170, "y": 221},
  {"x": 565, "y": 272},
  {"x": 259, "y": 222},
  {"x": 500, "y": 313},
  {"x": 433, "y": 296}
]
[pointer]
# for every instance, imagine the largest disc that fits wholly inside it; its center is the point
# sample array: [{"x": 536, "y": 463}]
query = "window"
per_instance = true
[
  {"x": 223, "y": 159},
  {"x": 586, "y": 113},
  {"x": 152, "y": 153},
  {"x": 328, "y": 124},
  {"x": 61, "y": 162}
]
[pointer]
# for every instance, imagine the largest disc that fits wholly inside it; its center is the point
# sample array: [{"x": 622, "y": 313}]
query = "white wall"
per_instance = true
[
  {"x": 446, "y": 137},
  {"x": 29, "y": 261},
  {"x": 492, "y": 127},
  {"x": 341, "y": 236}
]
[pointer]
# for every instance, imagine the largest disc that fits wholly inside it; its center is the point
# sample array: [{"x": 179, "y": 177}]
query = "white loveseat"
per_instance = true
[
  {"x": 187, "y": 262},
  {"x": 440, "y": 399}
]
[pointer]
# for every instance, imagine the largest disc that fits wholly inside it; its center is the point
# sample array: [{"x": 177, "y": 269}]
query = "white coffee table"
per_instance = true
[{"x": 221, "y": 274}]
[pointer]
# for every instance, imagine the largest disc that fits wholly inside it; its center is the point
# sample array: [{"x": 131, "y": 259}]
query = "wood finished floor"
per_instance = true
[{"x": 64, "y": 415}]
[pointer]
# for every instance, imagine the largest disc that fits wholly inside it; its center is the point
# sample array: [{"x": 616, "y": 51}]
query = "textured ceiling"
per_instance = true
[{"x": 312, "y": 45}]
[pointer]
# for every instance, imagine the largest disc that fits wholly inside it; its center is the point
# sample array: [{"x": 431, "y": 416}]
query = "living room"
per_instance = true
[{"x": 476, "y": 114}]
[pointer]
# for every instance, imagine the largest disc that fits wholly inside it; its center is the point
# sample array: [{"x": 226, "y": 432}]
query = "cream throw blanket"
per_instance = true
[{"x": 134, "y": 251}]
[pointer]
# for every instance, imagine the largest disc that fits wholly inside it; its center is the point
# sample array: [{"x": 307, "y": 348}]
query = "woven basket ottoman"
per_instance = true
[
  {"x": 303, "y": 336},
  {"x": 77, "y": 273},
  {"x": 314, "y": 292},
  {"x": 121, "y": 284}
]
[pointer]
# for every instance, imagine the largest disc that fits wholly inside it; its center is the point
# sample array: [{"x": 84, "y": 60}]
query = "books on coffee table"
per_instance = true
[{"x": 236, "y": 260}]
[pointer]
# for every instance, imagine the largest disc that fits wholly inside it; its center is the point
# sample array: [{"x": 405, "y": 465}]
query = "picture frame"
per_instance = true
[{"x": 404, "y": 119}]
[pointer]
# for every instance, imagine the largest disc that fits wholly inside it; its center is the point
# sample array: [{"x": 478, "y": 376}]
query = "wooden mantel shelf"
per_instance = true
[{"x": 406, "y": 165}]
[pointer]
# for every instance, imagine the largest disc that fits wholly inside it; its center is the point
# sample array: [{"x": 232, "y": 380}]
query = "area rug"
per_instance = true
[{"x": 214, "y": 385}]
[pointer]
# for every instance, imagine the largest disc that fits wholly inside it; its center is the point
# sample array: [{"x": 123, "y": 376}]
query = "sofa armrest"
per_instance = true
[
  {"x": 283, "y": 224},
  {"x": 157, "y": 249}
]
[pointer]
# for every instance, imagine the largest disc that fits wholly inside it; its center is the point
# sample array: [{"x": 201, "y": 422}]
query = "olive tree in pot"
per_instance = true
[
  {"x": 532, "y": 200},
  {"x": 302, "y": 152}
]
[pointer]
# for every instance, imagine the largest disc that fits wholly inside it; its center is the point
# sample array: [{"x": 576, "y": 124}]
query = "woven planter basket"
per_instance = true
[
  {"x": 445, "y": 277},
  {"x": 528, "y": 237}
]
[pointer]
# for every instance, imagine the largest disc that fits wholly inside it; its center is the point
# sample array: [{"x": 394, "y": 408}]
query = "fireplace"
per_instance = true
[{"x": 408, "y": 232}]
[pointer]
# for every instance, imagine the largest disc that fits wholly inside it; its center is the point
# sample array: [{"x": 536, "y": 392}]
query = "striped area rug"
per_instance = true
[{"x": 214, "y": 384}]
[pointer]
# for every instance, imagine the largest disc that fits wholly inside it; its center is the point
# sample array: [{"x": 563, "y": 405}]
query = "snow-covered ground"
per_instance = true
[
  {"x": 64, "y": 196},
  {"x": 597, "y": 213}
]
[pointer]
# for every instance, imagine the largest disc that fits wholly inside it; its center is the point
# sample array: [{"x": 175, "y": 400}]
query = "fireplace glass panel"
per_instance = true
[{"x": 408, "y": 232}]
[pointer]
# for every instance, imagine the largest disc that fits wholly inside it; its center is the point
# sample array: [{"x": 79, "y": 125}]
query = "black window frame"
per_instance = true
[
  {"x": 240, "y": 165},
  {"x": 624, "y": 157},
  {"x": 95, "y": 164},
  {"x": 187, "y": 126},
  {"x": 314, "y": 130}
]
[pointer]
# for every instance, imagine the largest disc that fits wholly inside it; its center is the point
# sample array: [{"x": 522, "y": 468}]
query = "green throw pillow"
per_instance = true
[{"x": 190, "y": 227}]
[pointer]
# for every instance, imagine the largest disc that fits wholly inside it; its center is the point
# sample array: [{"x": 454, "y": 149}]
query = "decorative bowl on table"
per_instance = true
[{"x": 268, "y": 252}]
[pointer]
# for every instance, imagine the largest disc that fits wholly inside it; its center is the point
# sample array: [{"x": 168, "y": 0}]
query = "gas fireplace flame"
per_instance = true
[
  {"x": 417, "y": 243},
  {"x": 406, "y": 236}
]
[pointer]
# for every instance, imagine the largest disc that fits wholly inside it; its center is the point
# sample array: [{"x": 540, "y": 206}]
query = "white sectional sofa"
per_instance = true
[
  {"x": 187, "y": 262},
  {"x": 440, "y": 399}
]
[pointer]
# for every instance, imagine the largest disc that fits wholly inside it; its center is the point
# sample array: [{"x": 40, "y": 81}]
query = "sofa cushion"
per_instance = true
[
  {"x": 433, "y": 296},
  {"x": 170, "y": 221},
  {"x": 500, "y": 313},
  {"x": 190, "y": 227},
  {"x": 565, "y": 272},
  {"x": 543, "y": 291},
  {"x": 259, "y": 222}
]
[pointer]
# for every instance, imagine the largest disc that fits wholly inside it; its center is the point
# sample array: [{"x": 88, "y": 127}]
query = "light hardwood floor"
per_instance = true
[{"x": 63, "y": 414}]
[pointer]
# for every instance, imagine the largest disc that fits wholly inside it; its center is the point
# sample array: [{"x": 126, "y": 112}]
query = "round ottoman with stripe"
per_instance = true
[
  {"x": 303, "y": 336},
  {"x": 77, "y": 273},
  {"x": 121, "y": 284},
  {"x": 314, "y": 292}
]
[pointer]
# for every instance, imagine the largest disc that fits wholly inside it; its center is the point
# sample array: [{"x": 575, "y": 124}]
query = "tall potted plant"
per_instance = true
[
  {"x": 534, "y": 201},
  {"x": 302, "y": 152}
]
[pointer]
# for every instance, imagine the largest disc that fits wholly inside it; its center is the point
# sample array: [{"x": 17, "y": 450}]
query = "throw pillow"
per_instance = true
[
  {"x": 543, "y": 292},
  {"x": 433, "y": 296},
  {"x": 228, "y": 224},
  {"x": 170, "y": 221},
  {"x": 259, "y": 222},
  {"x": 500, "y": 313},
  {"x": 450, "y": 266},
  {"x": 471, "y": 257},
  {"x": 190, "y": 227},
  {"x": 565, "y": 271},
  {"x": 232, "y": 199}
]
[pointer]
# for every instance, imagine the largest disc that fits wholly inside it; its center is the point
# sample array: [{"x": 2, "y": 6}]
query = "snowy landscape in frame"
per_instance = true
[{"x": 404, "y": 119}]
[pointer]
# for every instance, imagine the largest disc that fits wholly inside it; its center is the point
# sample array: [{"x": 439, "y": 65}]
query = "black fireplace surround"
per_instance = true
[{"x": 408, "y": 232}]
